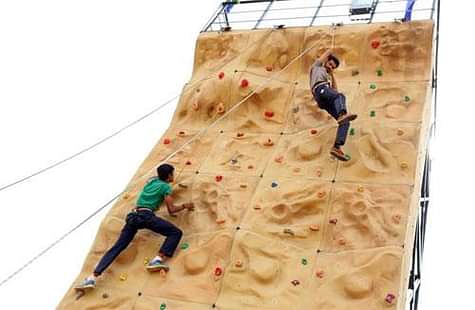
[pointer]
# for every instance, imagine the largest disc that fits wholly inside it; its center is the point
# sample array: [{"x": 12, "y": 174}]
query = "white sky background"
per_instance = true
[{"x": 71, "y": 72}]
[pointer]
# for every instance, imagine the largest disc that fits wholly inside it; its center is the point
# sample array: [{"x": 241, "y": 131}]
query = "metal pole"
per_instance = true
[
  {"x": 372, "y": 12},
  {"x": 219, "y": 11},
  {"x": 316, "y": 12},
  {"x": 263, "y": 14}
]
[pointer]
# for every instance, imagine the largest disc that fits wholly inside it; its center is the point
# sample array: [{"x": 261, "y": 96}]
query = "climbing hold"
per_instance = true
[
  {"x": 269, "y": 68},
  {"x": 269, "y": 114},
  {"x": 295, "y": 282},
  {"x": 195, "y": 106},
  {"x": 163, "y": 306},
  {"x": 295, "y": 110},
  {"x": 250, "y": 167},
  {"x": 244, "y": 83},
  {"x": 238, "y": 263},
  {"x": 188, "y": 163},
  {"x": 218, "y": 271},
  {"x": 360, "y": 188},
  {"x": 146, "y": 260},
  {"x": 105, "y": 295},
  {"x": 400, "y": 132},
  {"x": 304, "y": 261},
  {"x": 243, "y": 185},
  {"x": 126, "y": 196},
  {"x": 341, "y": 241},
  {"x": 352, "y": 132},
  {"x": 313, "y": 131},
  {"x": 321, "y": 194},
  {"x": 240, "y": 134},
  {"x": 269, "y": 142},
  {"x": 333, "y": 221},
  {"x": 390, "y": 298},
  {"x": 279, "y": 159},
  {"x": 184, "y": 246},
  {"x": 219, "y": 178},
  {"x": 220, "y": 108},
  {"x": 375, "y": 44},
  {"x": 372, "y": 113},
  {"x": 167, "y": 141},
  {"x": 181, "y": 133},
  {"x": 314, "y": 227},
  {"x": 319, "y": 173},
  {"x": 320, "y": 274},
  {"x": 296, "y": 169},
  {"x": 274, "y": 184},
  {"x": 372, "y": 86},
  {"x": 355, "y": 72},
  {"x": 379, "y": 72},
  {"x": 221, "y": 75},
  {"x": 396, "y": 218},
  {"x": 407, "y": 98},
  {"x": 257, "y": 207},
  {"x": 234, "y": 161},
  {"x": 404, "y": 165},
  {"x": 123, "y": 277},
  {"x": 220, "y": 221},
  {"x": 347, "y": 156},
  {"x": 289, "y": 231}
]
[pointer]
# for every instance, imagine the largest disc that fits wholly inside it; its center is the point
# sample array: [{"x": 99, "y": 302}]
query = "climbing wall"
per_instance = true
[{"x": 278, "y": 223}]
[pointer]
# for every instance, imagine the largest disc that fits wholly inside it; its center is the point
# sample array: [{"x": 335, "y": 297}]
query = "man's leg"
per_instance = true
[
  {"x": 171, "y": 232},
  {"x": 126, "y": 236}
]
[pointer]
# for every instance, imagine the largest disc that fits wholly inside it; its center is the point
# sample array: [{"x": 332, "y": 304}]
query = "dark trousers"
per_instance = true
[
  {"x": 334, "y": 103},
  {"x": 138, "y": 220}
]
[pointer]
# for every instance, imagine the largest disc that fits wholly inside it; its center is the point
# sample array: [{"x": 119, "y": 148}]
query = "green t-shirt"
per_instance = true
[{"x": 153, "y": 193}]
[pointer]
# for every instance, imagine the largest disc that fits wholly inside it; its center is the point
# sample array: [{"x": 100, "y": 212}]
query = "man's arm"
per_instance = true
[
  {"x": 334, "y": 85},
  {"x": 172, "y": 208},
  {"x": 323, "y": 59}
]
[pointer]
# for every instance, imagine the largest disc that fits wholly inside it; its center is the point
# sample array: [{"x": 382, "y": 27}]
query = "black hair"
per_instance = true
[
  {"x": 335, "y": 60},
  {"x": 164, "y": 171}
]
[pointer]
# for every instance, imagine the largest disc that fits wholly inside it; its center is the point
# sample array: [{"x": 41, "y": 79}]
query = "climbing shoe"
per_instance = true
[
  {"x": 346, "y": 118},
  {"x": 338, "y": 153}
]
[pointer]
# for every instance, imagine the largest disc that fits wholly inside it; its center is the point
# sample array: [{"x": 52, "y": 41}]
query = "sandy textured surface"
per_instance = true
[{"x": 278, "y": 223}]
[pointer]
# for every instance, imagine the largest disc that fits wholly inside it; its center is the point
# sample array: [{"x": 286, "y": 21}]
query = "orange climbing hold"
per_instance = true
[
  {"x": 333, "y": 221},
  {"x": 221, "y": 75},
  {"x": 240, "y": 134},
  {"x": 218, "y": 271},
  {"x": 320, "y": 274},
  {"x": 238, "y": 264},
  {"x": 279, "y": 159},
  {"x": 319, "y": 173},
  {"x": 313, "y": 131},
  {"x": 220, "y": 221},
  {"x": 375, "y": 44},
  {"x": 167, "y": 141},
  {"x": 269, "y": 68},
  {"x": 244, "y": 83},
  {"x": 314, "y": 227},
  {"x": 321, "y": 194},
  {"x": 220, "y": 108},
  {"x": 250, "y": 167},
  {"x": 219, "y": 178},
  {"x": 181, "y": 133},
  {"x": 188, "y": 163},
  {"x": 269, "y": 114},
  {"x": 269, "y": 142}
]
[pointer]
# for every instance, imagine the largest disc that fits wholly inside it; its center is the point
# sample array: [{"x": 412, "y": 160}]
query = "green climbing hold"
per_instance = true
[
  {"x": 407, "y": 98},
  {"x": 379, "y": 72},
  {"x": 163, "y": 306},
  {"x": 184, "y": 246},
  {"x": 348, "y": 157},
  {"x": 372, "y": 113},
  {"x": 372, "y": 86},
  {"x": 304, "y": 261},
  {"x": 352, "y": 132}
]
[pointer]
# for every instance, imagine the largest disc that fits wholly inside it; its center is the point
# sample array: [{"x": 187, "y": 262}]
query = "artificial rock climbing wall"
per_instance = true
[{"x": 278, "y": 223}]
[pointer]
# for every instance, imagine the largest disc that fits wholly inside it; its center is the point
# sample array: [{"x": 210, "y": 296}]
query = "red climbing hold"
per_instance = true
[
  {"x": 313, "y": 131},
  {"x": 221, "y": 75},
  {"x": 219, "y": 178},
  {"x": 269, "y": 68},
  {"x": 218, "y": 271},
  {"x": 167, "y": 141},
  {"x": 295, "y": 282},
  {"x": 269, "y": 114},
  {"x": 244, "y": 83},
  {"x": 375, "y": 44},
  {"x": 188, "y": 163},
  {"x": 333, "y": 221},
  {"x": 390, "y": 298}
]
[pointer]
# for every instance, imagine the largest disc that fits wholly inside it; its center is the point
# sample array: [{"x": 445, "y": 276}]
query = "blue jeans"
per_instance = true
[
  {"x": 334, "y": 103},
  {"x": 138, "y": 220}
]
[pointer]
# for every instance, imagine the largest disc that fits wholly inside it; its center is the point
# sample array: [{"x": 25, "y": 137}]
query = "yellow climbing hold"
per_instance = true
[
  {"x": 123, "y": 277},
  {"x": 360, "y": 189},
  {"x": 404, "y": 165}
]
